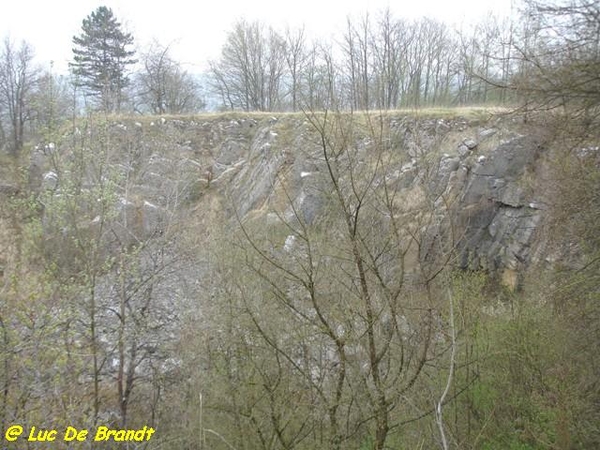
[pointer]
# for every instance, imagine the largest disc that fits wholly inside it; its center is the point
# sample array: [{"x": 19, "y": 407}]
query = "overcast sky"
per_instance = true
[{"x": 196, "y": 29}]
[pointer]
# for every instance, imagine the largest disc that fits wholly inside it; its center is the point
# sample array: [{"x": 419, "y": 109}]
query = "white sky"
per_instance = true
[{"x": 196, "y": 29}]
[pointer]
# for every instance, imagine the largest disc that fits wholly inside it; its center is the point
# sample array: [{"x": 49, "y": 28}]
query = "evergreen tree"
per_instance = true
[{"x": 101, "y": 56}]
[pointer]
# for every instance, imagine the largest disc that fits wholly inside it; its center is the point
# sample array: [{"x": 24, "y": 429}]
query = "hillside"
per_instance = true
[
  {"x": 481, "y": 167},
  {"x": 234, "y": 279}
]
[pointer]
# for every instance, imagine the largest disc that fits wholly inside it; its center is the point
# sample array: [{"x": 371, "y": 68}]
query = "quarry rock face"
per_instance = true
[
  {"x": 243, "y": 165},
  {"x": 498, "y": 214}
]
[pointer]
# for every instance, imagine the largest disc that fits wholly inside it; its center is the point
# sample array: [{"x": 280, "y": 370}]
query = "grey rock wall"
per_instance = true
[{"x": 484, "y": 170}]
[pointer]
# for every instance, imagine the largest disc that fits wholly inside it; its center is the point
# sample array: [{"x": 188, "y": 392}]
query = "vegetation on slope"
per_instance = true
[{"x": 352, "y": 329}]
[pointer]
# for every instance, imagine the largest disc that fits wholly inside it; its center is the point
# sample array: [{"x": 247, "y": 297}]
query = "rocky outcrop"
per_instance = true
[
  {"x": 241, "y": 164},
  {"x": 498, "y": 213}
]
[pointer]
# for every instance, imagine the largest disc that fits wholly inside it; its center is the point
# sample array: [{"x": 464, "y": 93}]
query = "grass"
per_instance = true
[
  {"x": 466, "y": 112},
  {"x": 12, "y": 168}
]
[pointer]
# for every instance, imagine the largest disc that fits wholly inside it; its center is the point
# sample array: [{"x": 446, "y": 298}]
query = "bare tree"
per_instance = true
[
  {"x": 321, "y": 315},
  {"x": 387, "y": 45},
  {"x": 17, "y": 80},
  {"x": 322, "y": 80},
  {"x": 559, "y": 52},
  {"x": 296, "y": 59},
  {"x": 111, "y": 254},
  {"x": 250, "y": 72},
  {"x": 51, "y": 102},
  {"x": 358, "y": 62},
  {"x": 164, "y": 87}
]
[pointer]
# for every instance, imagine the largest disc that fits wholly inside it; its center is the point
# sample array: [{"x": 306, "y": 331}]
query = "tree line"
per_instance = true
[
  {"x": 378, "y": 62},
  {"x": 35, "y": 100}
]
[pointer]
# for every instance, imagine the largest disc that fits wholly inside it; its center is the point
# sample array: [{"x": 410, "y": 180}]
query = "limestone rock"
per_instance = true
[
  {"x": 463, "y": 151},
  {"x": 253, "y": 162},
  {"x": 494, "y": 212},
  {"x": 484, "y": 134},
  {"x": 50, "y": 181},
  {"x": 470, "y": 143}
]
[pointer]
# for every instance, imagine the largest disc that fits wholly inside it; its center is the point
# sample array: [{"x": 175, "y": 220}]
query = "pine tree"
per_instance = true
[{"x": 101, "y": 56}]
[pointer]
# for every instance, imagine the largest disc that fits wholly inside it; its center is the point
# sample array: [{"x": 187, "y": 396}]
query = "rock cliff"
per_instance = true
[{"x": 480, "y": 170}]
